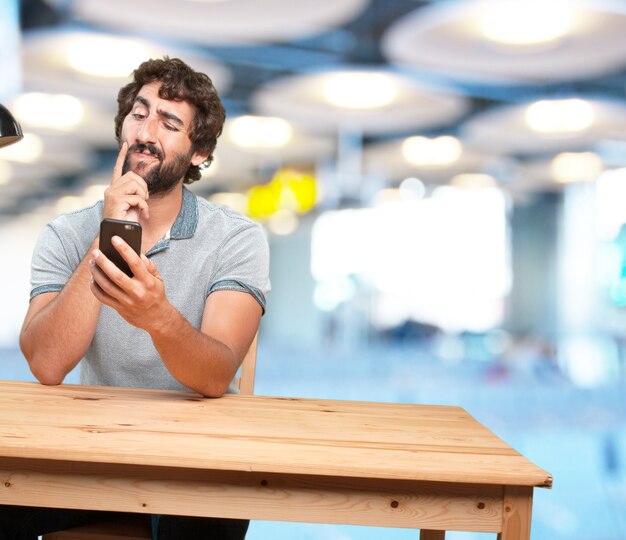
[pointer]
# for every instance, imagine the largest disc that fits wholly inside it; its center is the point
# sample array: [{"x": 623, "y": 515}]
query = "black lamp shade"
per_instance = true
[{"x": 10, "y": 130}]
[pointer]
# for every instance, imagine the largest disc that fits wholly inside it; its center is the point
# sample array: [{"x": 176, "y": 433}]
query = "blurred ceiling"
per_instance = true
[{"x": 503, "y": 86}]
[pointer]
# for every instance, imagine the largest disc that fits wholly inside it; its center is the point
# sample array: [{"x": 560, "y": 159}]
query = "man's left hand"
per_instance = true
[{"x": 140, "y": 300}]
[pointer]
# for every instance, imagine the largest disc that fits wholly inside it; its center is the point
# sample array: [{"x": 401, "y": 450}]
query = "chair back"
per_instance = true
[{"x": 247, "y": 371}]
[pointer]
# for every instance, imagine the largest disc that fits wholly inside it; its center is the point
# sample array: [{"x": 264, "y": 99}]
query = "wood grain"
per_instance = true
[
  {"x": 517, "y": 513},
  {"x": 426, "y": 467},
  {"x": 316, "y": 499},
  {"x": 256, "y": 434}
]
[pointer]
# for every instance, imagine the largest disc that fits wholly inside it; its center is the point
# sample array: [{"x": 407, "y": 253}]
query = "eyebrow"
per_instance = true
[{"x": 170, "y": 116}]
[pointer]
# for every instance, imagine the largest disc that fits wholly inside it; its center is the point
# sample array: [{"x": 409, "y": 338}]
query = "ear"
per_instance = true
[{"x": 199, "y": 157}]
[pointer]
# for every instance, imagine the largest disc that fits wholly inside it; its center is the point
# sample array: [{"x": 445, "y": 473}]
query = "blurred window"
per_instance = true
[{"x": 443, "y": 260}]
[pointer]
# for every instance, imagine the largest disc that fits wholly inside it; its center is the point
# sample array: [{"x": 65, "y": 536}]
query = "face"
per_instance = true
[{"x": 157, "y": 132}]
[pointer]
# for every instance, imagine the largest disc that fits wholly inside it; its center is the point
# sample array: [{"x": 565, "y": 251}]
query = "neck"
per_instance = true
[{"x": 164, "y": 208}]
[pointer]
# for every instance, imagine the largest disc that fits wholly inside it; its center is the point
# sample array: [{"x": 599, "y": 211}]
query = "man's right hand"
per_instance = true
[{"x": 126, "y": 197}]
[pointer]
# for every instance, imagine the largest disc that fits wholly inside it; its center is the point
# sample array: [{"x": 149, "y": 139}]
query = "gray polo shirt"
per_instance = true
[{"x": 209, "y": 248}]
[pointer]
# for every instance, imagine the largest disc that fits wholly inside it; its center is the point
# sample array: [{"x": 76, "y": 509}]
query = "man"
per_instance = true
[{"x": 190, "y": 312}]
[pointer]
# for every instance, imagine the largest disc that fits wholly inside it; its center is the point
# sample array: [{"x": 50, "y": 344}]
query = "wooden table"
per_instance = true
[{"x": 264, "y": 458}]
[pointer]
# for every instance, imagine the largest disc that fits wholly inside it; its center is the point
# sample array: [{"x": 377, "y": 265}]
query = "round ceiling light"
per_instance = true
[
  {"x": 93, "y": 65},
  {"x": 560, "y": 116},
  {"x": 260, "y": 131},
  {"x": 58, "y": 111},
  {"x": 510, "y": 41},
  {"x": 104, "y": 56},
  {"x": 359, "y": 90},
  {"x": 576, "y": 166},
  {"x": 525, "y": 22},
  {"x": 359, "y": 100},
  {"x": 437, "y": 152},
  {"x": 220, "y": 22},
  {"x": 28, "y": 151}
]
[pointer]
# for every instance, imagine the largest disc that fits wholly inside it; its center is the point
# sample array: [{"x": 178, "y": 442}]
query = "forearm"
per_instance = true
[
  {"x": 196, "y": 360},
  {"x": 204, "y": 359},
  {"x": 55, "y": 338}
]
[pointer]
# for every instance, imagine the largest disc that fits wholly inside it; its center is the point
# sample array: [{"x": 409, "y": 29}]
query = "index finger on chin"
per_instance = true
[{"x": 119, "y": 164}]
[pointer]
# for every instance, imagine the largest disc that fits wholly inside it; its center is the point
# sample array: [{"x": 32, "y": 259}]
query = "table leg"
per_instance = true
[
  {"x": 426, "y": 534},
  {"x": 518, "y": 503}
]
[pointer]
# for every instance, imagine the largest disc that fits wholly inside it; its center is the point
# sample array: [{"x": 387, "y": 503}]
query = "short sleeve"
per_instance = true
[
  {"x": 50, "y": 269},
  {"x": 243, "y": 263}
]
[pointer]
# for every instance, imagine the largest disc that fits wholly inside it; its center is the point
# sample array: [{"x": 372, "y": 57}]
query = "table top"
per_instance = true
[{"x": 256, "y": 434}]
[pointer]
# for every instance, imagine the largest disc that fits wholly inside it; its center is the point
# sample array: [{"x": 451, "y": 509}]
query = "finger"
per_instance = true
[
  {"x": 97, "y": 291},
  {"x": 109, "y": 270},
  {"x": 136, "y": 202},
  {"x": 102, "y": 287},
  {"x": 101, "y": 296},
  {"x": 136, "y": 184},
  {"x": 121, "y": 192},
  {"x": 119, "y": 164},
  {"x": 128, "y": 254},
  {"x": 132, "y": 214},
  {"x": 151, "y": 266},
  {"x": 129, "y": 184},
  {"x": 105, "y": 287}
]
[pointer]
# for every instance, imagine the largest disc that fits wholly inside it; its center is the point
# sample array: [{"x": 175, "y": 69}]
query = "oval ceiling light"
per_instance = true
[
  {"x": 328, "y": 100},
  {"x": 260, "y": 131},
  {"x": 576, "y": 166},
  {"x": 525, "y": 22},
  {"x": 528, "y": 128},
  {"x": 359, "y": 90},
  {"x": 58, "y": 111},
  {"x": 93, "y": 65},
  {"x": 560, "y": 116},
  {"x": 28, "y": 151},
  {"x": 106, "y": 56},
  {"x": 503, "y": 42},
  {"x": 219, "y": 22},
  {"x": 437, "y": 152}
]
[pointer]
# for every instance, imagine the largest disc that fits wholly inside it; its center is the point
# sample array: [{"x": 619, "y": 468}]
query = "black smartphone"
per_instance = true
[{"x": 129, "y": 231}]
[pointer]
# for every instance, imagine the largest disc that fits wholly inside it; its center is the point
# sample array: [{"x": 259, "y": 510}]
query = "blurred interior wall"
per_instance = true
[
  {"x": 580, "y": 299},
  {"x": 534, "y": 241},
  {"x": 291, "y": 316}
]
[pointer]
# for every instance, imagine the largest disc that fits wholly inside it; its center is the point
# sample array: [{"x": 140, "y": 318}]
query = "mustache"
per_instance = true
[{"x": 150, "y": 148}]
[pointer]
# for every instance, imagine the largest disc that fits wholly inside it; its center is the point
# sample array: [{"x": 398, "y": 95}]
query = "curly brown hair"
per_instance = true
[{"x": 179, "y": 82}]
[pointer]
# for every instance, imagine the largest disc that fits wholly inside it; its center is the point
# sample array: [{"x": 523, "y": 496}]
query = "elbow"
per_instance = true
[
  {"x": 46, "y": 375},
  {"x": 48, "y": 380},
  {"x": 213, "y": 391},
  {"x": 214, "y": 388},
  {"x": 41, "y": 366}
]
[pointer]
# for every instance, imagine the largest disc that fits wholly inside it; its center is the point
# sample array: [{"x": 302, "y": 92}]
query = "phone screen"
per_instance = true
[{"x": 129, "y": 231}]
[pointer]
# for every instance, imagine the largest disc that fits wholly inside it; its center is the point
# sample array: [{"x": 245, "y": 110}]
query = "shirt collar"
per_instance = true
[
  {"x": 187, "y": 221},
  {"x": 185, "y": 225}
]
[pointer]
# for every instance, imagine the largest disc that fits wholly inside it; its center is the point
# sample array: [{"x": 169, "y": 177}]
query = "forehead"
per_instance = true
[{"x": 181, "y": 108}]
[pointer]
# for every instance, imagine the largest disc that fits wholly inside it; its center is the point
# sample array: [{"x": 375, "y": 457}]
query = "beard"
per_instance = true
[{"x": 161, "y": 177}]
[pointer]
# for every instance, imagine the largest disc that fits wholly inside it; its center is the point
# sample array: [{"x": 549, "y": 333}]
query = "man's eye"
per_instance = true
[
  {"x": 170, "y": 127},
  {"x": 138, "y": 116}
]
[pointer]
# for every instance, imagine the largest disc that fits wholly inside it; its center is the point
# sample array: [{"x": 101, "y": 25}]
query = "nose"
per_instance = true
[{"x": 147, "y": 130}]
